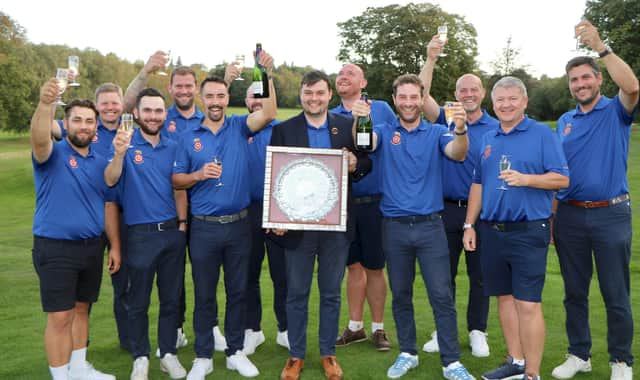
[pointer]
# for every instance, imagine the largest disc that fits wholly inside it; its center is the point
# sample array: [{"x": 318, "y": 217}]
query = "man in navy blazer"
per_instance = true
[{"x": 315, "y": 127}]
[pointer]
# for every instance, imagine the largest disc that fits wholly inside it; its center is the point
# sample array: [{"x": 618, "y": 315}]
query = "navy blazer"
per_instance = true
[{"x": 293, "y": 132}]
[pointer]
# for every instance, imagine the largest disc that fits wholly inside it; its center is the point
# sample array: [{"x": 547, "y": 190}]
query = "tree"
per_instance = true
[
  {"x": 392, "y": 40},
  {"x": 507, "y": 62},
  {"x": 618, "y": 22}
]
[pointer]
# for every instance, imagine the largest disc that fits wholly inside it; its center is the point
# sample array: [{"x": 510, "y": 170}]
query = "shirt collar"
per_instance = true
[
  {"x": 174, "y": 113},
  {"x": 602, "y": 103},
  {"x": 521, "y": 127}
]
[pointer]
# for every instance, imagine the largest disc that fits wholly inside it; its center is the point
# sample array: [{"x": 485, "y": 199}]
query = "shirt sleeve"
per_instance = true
[
  {"x": 182, "y": 163},
  {"x": 553, "y": 155}
]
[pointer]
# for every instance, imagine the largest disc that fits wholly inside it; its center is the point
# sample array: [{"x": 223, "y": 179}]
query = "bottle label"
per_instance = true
[
  {"x": 257, "y": 88},
  {"x": 363, "y": 139}
]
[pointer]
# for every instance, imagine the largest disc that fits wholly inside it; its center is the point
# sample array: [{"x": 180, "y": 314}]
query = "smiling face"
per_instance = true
[
  {"x": 470, "y": 92},
  {"x": 81, "y": 126},
  {"x": 408, "y": 102},
  {"x": 315, "y": 98},
  {"x": 150, "y": 114},
  {"x": 109, "y": 105},
  {"x": 215, "y": 99},
  {"x": 509, "y": 104},
  {"x": 584, "y": 84},
  {"x": 183, "y": 90},
  {"x": 350, "y": 81}
]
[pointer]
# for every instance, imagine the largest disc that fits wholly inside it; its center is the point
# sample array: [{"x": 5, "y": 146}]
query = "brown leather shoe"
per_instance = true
[
  {"x": 349, "y": 337},
  {"x": 332, "y": 370},
  {"x": 380, "y": 340},
  {"x": 292, "y": 369}
]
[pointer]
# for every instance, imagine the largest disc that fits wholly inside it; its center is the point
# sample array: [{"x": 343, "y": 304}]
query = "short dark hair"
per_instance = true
[
  {"x": 583, "y": 60},
  {"x": 408, "y": 79},
  {"x": 313, "y": 77},
  {"x": 109, "y": 87},
  {"x": 81, "y": 103},
  {"x": 212, "y": 79},
  {"x": 183, "y": 70},
  {"x": 149, "y": 91}
]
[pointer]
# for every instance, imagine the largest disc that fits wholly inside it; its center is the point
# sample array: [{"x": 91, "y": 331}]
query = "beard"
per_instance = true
[
  {"x": 79, "y": 142},
  {"x": 408, "y": 117},
  {"x": 145, "y": 127},
  {"x": 212, "y": 116},
  {"x": 184, "y": 106}
]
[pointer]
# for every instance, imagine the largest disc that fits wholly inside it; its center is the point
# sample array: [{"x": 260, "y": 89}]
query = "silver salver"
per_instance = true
[{"x": 305, "y": 189}]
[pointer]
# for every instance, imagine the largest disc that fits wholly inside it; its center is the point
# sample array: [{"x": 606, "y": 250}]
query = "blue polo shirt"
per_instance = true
[
  {"x": 257, "y": 155},
  {"x": 70, "y": 193},
  {"x": 456, "y": 175},
  {"x": 102, "y": 141},
  {"x": 175, "y": 124},
  {"x": 319, "y": 137},
  {"x": 532, "y": 148},
  {"x": 381, "y": 113},
  {"x": 596, "y": 145},
  {"x": 146, "y": 191},
  {"x": 412, "y": 166},
  {"x": 198, "y": 146}
]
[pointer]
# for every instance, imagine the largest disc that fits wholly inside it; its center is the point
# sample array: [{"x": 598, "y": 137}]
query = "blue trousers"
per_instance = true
[
  {"x": 120, "y": 283},
  {"x": 604, "y": 235},
  {"x": 151, "y": 253},
  {"x": 213, "y": 245},
  {"x": 477, "y": 304},
  {"x": 425, "y": 241},
  {"x": 331, "y": 250},
  {"x": 276, "y": 269}
]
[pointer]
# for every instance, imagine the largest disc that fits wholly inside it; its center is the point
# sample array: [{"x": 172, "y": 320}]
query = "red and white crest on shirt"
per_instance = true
[
  {"x": 567, "y": 129},
  {"x": 250, "y": 140},
  {"x": 487, "y": 151},
  {"x": 395, "y": 140},
  {"x": 197, "y": 145},
  {"x": 137, "y": 157},
  {"x": 334, "y": 131},
  {"x": 95, "y": 138},
  {"x": 72, "y": 162},
  {"x": 172, "y": 126}
]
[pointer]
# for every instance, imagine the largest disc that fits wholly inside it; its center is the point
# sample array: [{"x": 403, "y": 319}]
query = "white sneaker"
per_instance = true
[
  {"x": 201, "y": 368},
  {"x": 181, "y": 341},
  {"x": 478, "y": 343},
  {"x": 283, "y": 339},
  {"x": 140, "y": 368},
  {"x": 171, "y": 365},
  {"x": 239, "y": 362},
  {"x": 570, "y": 367},
  {"x": 621, "y": 371},
  {"x": 219, "y": 340},
  {"x": 432, "y": 345},
  {"x": 87, "y": 372},
  {"x": 252, "y": 339}
]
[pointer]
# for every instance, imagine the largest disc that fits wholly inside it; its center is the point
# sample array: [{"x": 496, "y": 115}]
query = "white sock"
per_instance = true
[
  {"x": 355, "y": 325},
  {"x": 454, "y": 365},
  {"x": 376, "y": 326},
  {"x": 518, "y": 361},
  {"x": 60, "y": 373},
  {"x": 78, "y": 357}
]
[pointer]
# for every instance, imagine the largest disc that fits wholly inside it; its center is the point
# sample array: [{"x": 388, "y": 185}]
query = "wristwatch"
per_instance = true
[
  {"x": 467, "y": 226},
  {"x": 607, "y": 50},
  {"x": 461, "y": 133}
]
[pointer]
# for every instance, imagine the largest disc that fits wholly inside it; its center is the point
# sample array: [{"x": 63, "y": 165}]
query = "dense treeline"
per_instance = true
[{"x": 378, "y": 40}]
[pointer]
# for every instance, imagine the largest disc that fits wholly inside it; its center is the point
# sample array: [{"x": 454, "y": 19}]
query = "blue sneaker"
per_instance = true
[
  {"x": 507, "y": 371},
  {"x": 456, "y": 372},
  {"x": 527, "y": 377},
  {"x": 402, "y": 365}
]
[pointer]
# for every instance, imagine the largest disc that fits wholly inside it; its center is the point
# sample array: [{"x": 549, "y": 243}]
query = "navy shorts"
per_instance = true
[
  {"x": 514, "y": 258},
  {"x": 366, "y": 248},
  {"x": 70, "y": 271}
]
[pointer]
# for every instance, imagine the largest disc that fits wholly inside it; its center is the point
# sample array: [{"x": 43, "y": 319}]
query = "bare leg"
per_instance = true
[
  {"x": 532, "y": 333},
  {"x": 376, "y": 293},
  {"x": 510, "y": 325},
  {"x": 57, "y": 337},
  {"x": 356, "y": 291}
]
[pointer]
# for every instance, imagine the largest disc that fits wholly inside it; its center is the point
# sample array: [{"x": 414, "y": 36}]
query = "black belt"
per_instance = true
[
  {"x": 367, "y": 199},
  {"x": 411, "y": 219},
  {"x": 598, "y": 204},
  {"x": 171, "y": 224},
  {"x": 515, "y": 226},
  {"x": 459, "y": 203},
  {"x": 223, "y": 219}
]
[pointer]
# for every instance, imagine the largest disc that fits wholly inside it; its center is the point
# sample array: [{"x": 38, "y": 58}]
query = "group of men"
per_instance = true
[{"x": 497, "y": 188}]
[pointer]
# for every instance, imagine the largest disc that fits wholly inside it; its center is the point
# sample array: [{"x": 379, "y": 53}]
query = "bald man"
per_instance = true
[
  {"x": 456, "y": 177},
  {"x": 365, "y": 278}
]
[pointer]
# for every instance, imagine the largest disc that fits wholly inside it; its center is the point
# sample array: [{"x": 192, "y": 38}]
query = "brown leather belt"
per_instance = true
[{"x": 598, "y": 204}]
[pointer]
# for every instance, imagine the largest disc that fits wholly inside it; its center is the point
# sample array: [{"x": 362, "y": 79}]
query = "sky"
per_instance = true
[{"x": 299, "y": 32}]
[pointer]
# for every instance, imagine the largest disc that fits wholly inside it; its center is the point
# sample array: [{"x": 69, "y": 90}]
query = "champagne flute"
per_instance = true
[
  {"x": 503, "y": 165},
  {"x": 168, "y": 57},
  {"x": 62, "y": 77},
  {"x": 442, "y": 36},
  {"x": 126, "y": 121},
  {"x": 577, "y": 29},
  {"x": 448, "y": 112},
  {"x": 74, "y": 63},
  {"x": 240, "y": 60},
  {"x": 218, "y": 161}
]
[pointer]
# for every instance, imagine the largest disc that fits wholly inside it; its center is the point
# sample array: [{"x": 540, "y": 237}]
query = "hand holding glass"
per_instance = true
[
  {"x": 74, "y": 63},
  {"x": 62, "y": 77},
  {"x": 448, "y": 112},
  {"x": 218, "y": 161},
  {"x": 504, "y": 164},
  {"x": 240, "y": 63},
  {"x": 168, "y": 57},
  {"x": 442, "y": 36},
  {"x": 126, "y": 122}
]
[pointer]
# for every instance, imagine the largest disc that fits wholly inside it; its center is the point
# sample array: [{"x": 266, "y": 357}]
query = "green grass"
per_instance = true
[{"x": 23, "y": 321}]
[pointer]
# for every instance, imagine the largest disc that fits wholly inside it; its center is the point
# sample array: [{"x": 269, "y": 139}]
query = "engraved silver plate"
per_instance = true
[{"x": 306, "y": 190}]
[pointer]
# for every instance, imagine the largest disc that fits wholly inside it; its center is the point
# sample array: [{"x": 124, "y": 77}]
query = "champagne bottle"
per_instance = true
[
  {"x": 364, "y": 130},
  {"x": 260, "y": 78}
]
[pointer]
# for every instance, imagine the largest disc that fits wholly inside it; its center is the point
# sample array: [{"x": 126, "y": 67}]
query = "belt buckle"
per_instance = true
[
  {"x": 588, "y": 204},
  {"x": 224, "y": 219},
  {"x": 500, "y": 227},
  {"x": 160, "y": 227}
]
